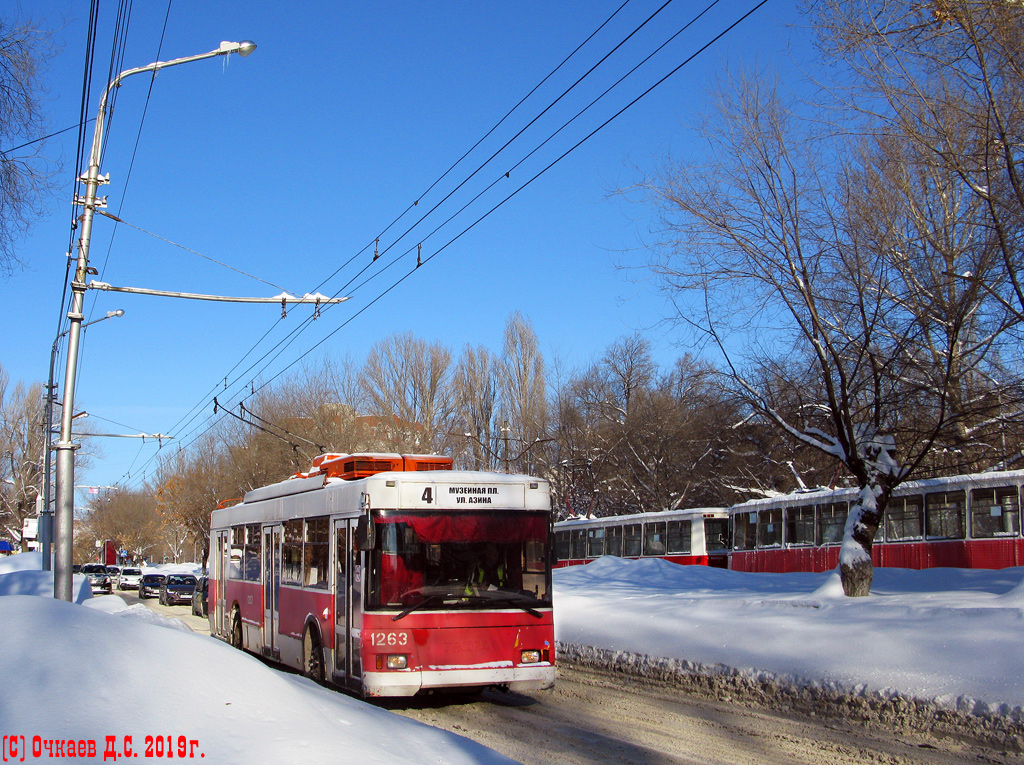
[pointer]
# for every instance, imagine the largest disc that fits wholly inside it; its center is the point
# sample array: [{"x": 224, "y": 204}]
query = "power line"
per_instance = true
[{"x": 455, "y": 238}]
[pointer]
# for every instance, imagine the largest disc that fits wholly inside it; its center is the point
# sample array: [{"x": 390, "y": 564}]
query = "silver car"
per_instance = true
[{"x": 129, "y": 579}]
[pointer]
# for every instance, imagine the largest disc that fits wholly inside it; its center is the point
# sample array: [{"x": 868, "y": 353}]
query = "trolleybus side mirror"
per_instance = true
[{"x": 364, "y": 533}]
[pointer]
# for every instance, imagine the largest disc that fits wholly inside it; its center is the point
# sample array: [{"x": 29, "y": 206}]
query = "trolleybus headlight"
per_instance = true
[
  {"x": 397, "y": 661},
  {"x": 530, "y": 657}
]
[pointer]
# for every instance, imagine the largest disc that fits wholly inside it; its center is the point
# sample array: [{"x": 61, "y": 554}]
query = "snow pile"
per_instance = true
[
  {"x": 947, "y": 636},
  {"x": 81, "y": 673}
]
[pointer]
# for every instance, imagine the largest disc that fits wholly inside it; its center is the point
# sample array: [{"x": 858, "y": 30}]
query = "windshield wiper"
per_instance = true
[
  {"x": 519, "y": 602},
  {"x": 416, "y": 607}
]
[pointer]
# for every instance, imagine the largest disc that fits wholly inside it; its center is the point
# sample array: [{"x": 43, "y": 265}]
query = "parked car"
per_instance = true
[
  {"x": 99, "y": 579},
  {"x": 199, "y": 605},
  {"x": 129, "y": 579},
  {"x": 114, "y": 572},
  {"x": 177, "y": 588},
  {"x": 76, "y": 568},
  {"x": 149, "y": 585}
]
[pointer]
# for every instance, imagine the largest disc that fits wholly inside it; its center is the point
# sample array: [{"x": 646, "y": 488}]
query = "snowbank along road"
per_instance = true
[{"x": 593, "y": 716}]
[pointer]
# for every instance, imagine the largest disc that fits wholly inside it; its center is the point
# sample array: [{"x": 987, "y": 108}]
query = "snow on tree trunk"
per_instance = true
[
  {"x": 880, "y": 471},
  {"x": 855, "y": 568}
]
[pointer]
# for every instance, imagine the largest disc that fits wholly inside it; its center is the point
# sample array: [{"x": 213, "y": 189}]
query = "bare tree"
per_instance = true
[
  {"x": 189, "y": 487},
  {"x": 523, "y": 396},
  {"x": 792, "y": 242},
  {"x": 130, "y": 518},
  {"x": 407, "y": 385},
  {"x": 25, "y": 177},
  {"x": 948, "y": 77},
  {"x": 21, "y": 454},
  {"x": 476, "y": 400}
]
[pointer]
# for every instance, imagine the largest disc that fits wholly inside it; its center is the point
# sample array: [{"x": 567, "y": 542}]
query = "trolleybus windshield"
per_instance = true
[{"x": 459, "y": 561}]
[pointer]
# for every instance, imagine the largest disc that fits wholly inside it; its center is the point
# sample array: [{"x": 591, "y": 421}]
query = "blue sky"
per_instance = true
[{"x": 289, "y": 162}]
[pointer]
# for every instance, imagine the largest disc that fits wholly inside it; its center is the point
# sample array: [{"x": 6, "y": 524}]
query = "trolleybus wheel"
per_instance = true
[
  {"x": 236, "y": 630},
  {"x": 312, "y": 656}
]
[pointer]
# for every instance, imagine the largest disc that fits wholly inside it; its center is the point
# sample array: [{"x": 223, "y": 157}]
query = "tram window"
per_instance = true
[
  {"x": 716, "y": 534},
  {"x": 315, "y": 553},
  {"x": 654, "y": 538},
  {"x": 632, "y": 541},
  {"x": 613, "y": 541},
  {"x": 995, "y": 512},
  {"x": 903, "y": 518},
  {"x": 800, "y": 525},
  {"x": 562, "y": 545},
  {"x": 237, "y": 552},
  {"x": 944, "y": 514},
  {"x": 291, "y": 553},
  {"x": 744, "y": 526},
  {"x": 578, "y": 544},
  {"x": 251, "y": 563},
  {"x": 679, "y": 537},
  {"x": 831, "y": 523},
  {"x": 769, "y": 528},
  {"x": 595, "y": 543}
]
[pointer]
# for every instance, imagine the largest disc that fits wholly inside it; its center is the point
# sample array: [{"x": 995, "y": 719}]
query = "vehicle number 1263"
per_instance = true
[{"x": 389, "y": 639}]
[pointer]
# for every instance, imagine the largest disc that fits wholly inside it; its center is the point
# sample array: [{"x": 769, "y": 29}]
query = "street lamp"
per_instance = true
[
  {"x": 65, "y": 477},
  {"x": 46, "y": 517}
]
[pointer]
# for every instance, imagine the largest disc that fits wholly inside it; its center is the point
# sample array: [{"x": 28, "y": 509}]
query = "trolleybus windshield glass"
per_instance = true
[{"x": 459, "y": 560}]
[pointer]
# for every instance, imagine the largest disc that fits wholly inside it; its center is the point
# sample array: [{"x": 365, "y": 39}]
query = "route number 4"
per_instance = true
[{"x": 428, "y": 495}]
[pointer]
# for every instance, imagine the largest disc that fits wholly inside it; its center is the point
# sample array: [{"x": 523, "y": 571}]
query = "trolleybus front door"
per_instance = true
[
  {"x": 271, "y": 589},
  {"x": 347, "y": 606}
]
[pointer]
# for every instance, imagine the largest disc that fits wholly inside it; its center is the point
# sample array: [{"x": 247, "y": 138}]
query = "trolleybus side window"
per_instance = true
[
  {"x": 800, "y": 525},
  {"x": 654, "y": 538},
  {"x": 678, "y": 537},
  {"x": 743, "y": 528},
  {"x": 595, "y": 543},
  {"x": 769, "y": 528},
  {"x": 944, "y": 514},
  {"x": 632, "y": 540},
  {"x": 315, "y": 553},
  {"x": 995, "y": 512},
  {"x": 237, "y": 552},
  {"x": 291, "y": 553},
  {"x": 613, "y": 541},
  {"x": 251, "y": 564},
  {"x": 831, "y": 523},
  {"x": 903, "y": 518}
]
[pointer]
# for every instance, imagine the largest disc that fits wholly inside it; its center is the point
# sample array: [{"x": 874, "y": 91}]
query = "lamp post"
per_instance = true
[
  {"x": 65, "y": 477},
  {"x": 46, "y": 516}
]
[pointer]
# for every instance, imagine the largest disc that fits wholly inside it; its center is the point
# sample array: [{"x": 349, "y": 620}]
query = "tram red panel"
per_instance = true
[{"x": 994, "y": 553}]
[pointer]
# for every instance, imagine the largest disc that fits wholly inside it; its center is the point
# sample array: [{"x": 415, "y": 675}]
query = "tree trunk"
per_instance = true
[{"x": 856, "y": 570}]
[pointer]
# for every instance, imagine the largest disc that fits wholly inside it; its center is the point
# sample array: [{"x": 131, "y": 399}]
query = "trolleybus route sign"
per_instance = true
[{"x": 457, "y": 495}]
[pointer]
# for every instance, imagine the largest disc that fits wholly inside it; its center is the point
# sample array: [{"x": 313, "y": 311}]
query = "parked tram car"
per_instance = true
[
  {"x": 696, "y": 536},
  {"x": 390, "y": 575},
  {"x": 970, "y": 521}
]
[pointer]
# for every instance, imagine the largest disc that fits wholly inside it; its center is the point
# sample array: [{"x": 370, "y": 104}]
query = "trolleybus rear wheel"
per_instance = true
[{"x": 312, "y": 656}]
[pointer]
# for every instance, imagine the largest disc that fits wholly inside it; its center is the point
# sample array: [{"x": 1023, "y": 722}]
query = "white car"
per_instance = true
[{"x": 129, "y": 579}]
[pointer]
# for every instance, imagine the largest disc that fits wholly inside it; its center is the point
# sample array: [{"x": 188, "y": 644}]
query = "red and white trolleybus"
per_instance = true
[{"x": 390, "y": 575}]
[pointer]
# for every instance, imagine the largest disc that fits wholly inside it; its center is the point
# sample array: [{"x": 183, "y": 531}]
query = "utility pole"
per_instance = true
[{"x": 65, "y": 448}]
